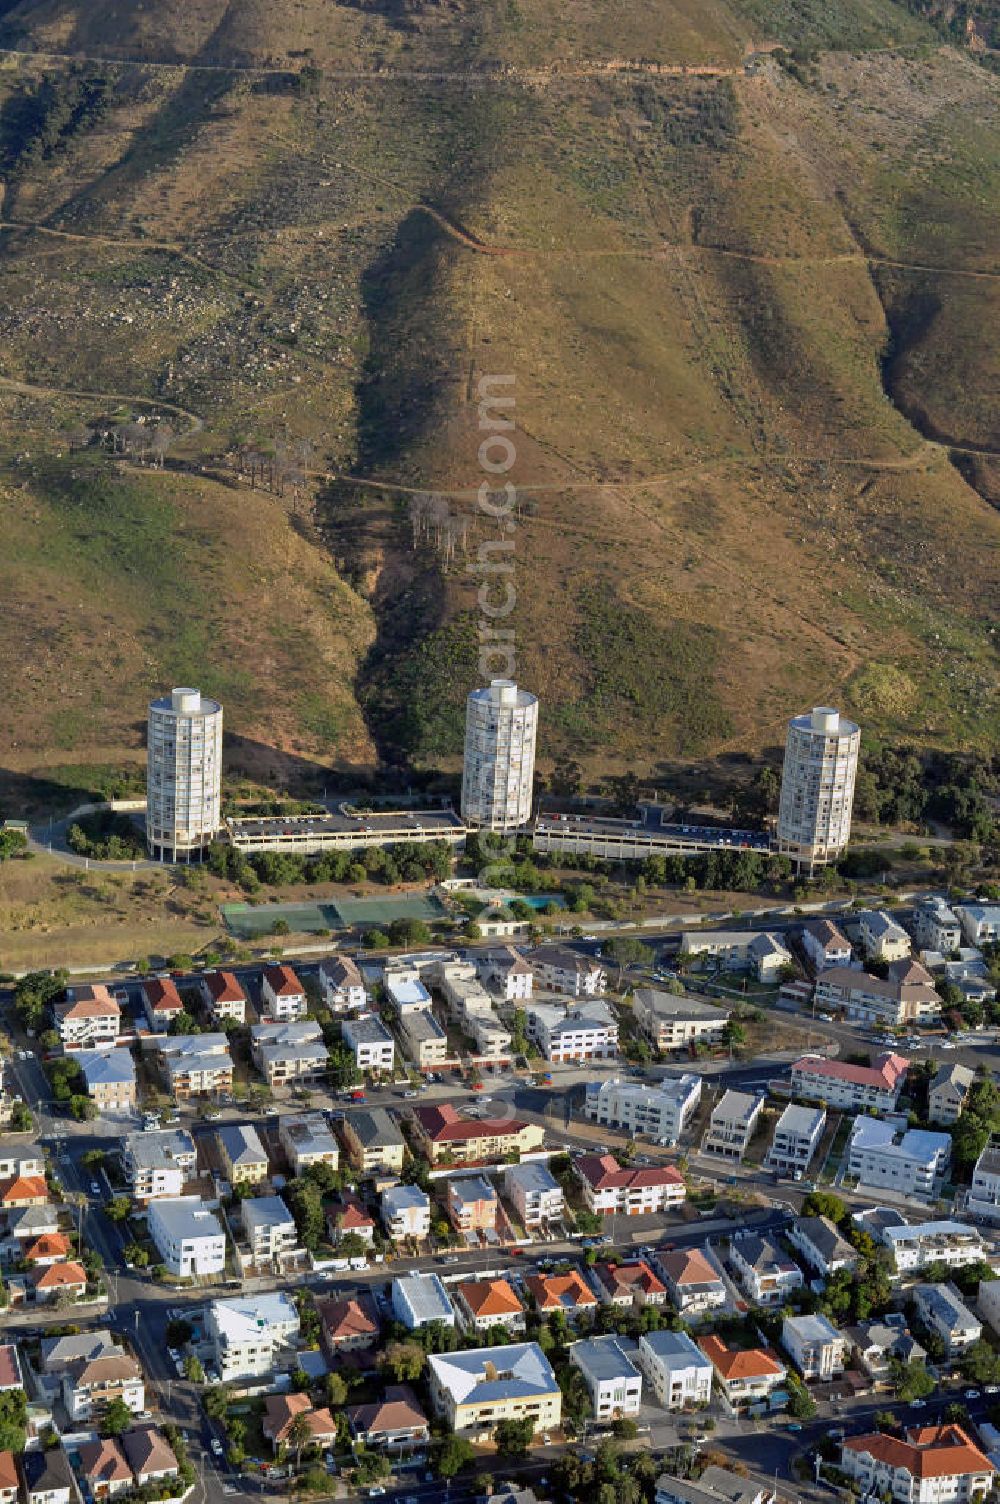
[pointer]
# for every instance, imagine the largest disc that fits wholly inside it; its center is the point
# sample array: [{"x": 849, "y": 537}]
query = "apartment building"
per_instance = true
[
  {"x": 948, "y": 1094},
  {"x": 694, "y": 1284},
  {"x": 88, "y": 1019},
  {"x": 817, "y": 786},
  {"x": 472, "y": 1204},
  {"x": 914, "y": 1246},
  {"x": 797, "y": 1135},
  {"x": 159, "y": 1163},
  {"x": 858, "y": 1088},
  {"x": 371, "y": 1043},
  {"x": 342, "y": 985},
  {"x": 17, "y": 1158},
  {"x": 821, "y": 1245},
  {"x": 188, "y": 1236},
  {"x": 763, "y": 954},
  {"x": 882, "y": 939},
  {"x": 767, "y": 1275},
  {"x": 936, "y": 926},
  {"x": 406, "y": 1212},
  {"x": 910, "y": 1161},
  {"x": 308, "y": 1139},
  {"x": 269, "y": 1228},
  {"x": 815, "y": 1347},
  {"x": 558, "y": 969},
  {"x": 253, "y": 1335},
  {"x": 825, "y": 945},
  {"x": 89, "y": 1385},
  {"x": 282, "y": 996},
  {"x": 980, "y": 923},
  {"x": 535, "y": 1194},
  {"x": 931, "y": 1465},
  {"x": 195, "y": 1065},
  {"x": 420, "y": 1299},
  {"x": 613, "y": 1379},
  {"x": 472, "y": 1391},
  {"x": 373, "y": 1140},
  {"x": 498, "y": 766},
  {"x": 241, "y": 1154},
  {"x": 424, "y": 1039},
  {"x": 677, "y": 1370},
  {"x": 943, "y": 1311},
  {"x": 631, "y": 1283},
  {"x": 663, "y": 1111},
  {"x": 746, "y": 1377},
  {"x": 289, "y": 1052},
  {"x": 877, "y": 1000},
  {"x": 586, "y": 1031},
  {"x": 224, "y": 997},
  {"x": 445, "y": 1134},
  {"x": 183, "y": 775},
  {"x": 984, "y": 1194},
  {"x": 508, "y": 973},
  {"x": 109, "y": 1076},
  {"x": 732, "y": 1124},
  {"x": 482, "y": 1304},
  {"x": 161, "y": 1002},
  {"x": 674, "y": 1023},
  {"x": 609, "y": 1190}
]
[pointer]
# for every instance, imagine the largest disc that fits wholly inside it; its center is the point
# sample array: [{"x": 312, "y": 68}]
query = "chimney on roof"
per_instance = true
[{"x": 491, "y": 1372}]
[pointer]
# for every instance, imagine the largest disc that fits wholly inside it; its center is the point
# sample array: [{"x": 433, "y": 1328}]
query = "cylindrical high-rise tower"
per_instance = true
[
  {"x": 499, "y": 768},
  {"x": 817, "y": 787},
  {"x": 183, "y": 775}
]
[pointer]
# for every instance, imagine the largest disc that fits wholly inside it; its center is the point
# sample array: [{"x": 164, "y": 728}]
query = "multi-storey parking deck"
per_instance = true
[
  {"x": 634, "y": 840},
  {"x": 344, "y": 829}
]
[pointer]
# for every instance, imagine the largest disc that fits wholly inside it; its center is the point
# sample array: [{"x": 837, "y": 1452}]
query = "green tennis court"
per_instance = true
[
  {"x": 368, "y": 911},
  {"x": 247, "y": 921}
]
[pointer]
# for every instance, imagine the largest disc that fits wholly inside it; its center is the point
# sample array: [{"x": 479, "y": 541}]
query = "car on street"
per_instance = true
[
  {"x": 376, "y": 1491},
  {"x": 992, "y": 1389},
  {"x": 179, "y": 1367},
  {"x": 173, "y": 1354},
  {"x": 411, "y": 1094},
  {"x": 918, "y": 1404},
  {"x": 217, "y": 1448},
  {"x": 972, "y": 1394},
  {"x": 793, "y": 1425},
  {"x": 95, "y": 1189}
]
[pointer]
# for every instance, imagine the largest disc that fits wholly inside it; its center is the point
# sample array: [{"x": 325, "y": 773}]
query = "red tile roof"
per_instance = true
[
  {"x": 283, "y": 981},
  {"x": 23, "y": 1188},
  {"x": 281, "y": 1409},
  {"x": 104, "y": 1462},
  {"x": 688, "y": 1266},
  {"x": 346, "y": 1319},
  {"x": 398, "y": 1411},
  {"x": 884, "y": 1074},
  {"x": 735, "y": 1363},
  {"x": 928, "y": 1452},
  {"x": 8, "y": 1471},
  {"x": 89, "y": 1002},
  {"x": 636, "y": 1275},
  {"x": 162, "y": 996},
  {"x": 10, "y": 1372},
  {"x": 559, "y": 1292},
  {"x": 224, "y": 987},
  {"x": 603, "y": 1173},
  {"x": 51, "y": 1245},
  {"x": 57, "y": 1276},
  {"x": 444, "y": 1125},
  {"x": 490, "y": 1297}
]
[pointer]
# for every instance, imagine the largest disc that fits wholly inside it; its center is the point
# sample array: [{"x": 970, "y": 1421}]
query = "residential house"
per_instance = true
[
  {"x": 9, "y": 1481},
  {"x": 23, "y": 1190},
  {"x": 948, "y": 1092},
  {"x": 677, "y": 1369},
  {"x": 675, "y": 1023},
  {"x": 419, "y": 1299},
  {"x": 104, "y": 1468},
  {"x": 745, "y": 1376},
  {"x": 825, "y": 945},
  {"x": 936, "y": 926},
  {"x": 943, "y": 1311},
  {"x": 65, "y": 1280},
  {"x": 343, "y": 985},
  {"x": 280, "y": 1412},
  {"x": 473, "y": 1204},
  {"x": 983, "y": 1202},
  {"x": 10, "y": 1368},
  {"x": 559, "y": 969},
  {"x": 47, "y": 1477},
  {"x": 88, "y": 1019},
  {"x": 347, "y": 1217},
  {"x": 224, "y": 997},
  {"x": 930, "y": 1465},
  {"x": 911, "y": 1162},
  {"x": 90, "y": 1385},
  {"x": 196, "y": 1065},
  {"x": 612, "y": 1376},
  {"x": 859, "y": 1088},
  {"x": 508, "y": 973},
  {"x": 282, "y": 996},
  {"x": 406, "y": 1212},
  {"x": 472, "y": 1391},
  {"x": 608, "y": 1189},
  {"x": 816, "y": 1348},
  {"x": 188, "y": 1236},
  {"x": 158, "y": 1163},
  {"x": 445, "y": 1134},
  {"x": 241, "y": 1154},
  {"x": 882, "y": 939},
  {"x": 821, "y": 1245},
  {"x": 629, "y": 1283},
  {"x": 289, "y": 1052},
  {"x": 109, "y": 1076},
  {"x": 980, "y": 923},
  {"x": 715, "y": 1485},
  {"x": 568, "y": 1293},
  {"x": 585, "y": 1031},
  {"x": 797, "y": 1134},
  {"x": 877, "y": 1343},
  {"x": 58, "y": 1353},
  {"x": 373, "y": 1140},
  {"x": 535, "y": 1194},
  {"x": 767, "y": 1275},
  {"x": 150, "y": 1455},
  {"x": 731, "y": 1126},
  {"x": 269, "y": 1227},
  {"x": 49, "y": 1248},
  {"x": 424, "y": 1039},
  {"x": 251, "y": 1336},
  {"x": 162, "y": 1003},
  {"x": 881, "y": 1001},
  {"x": 395, "y": 1423},
  {"x": 308, "y": 1139},
  {"x": 348, "y": 1325},
  {"x": 17, "y": 1158},
  {"x": 482, "y": 1304},
  {"x": 694, "y": 1284},
  {"x": 662, "y": 1110},
  {"x": 371, "y": 1043}
]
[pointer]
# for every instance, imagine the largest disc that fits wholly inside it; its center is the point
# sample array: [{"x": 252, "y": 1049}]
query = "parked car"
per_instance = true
[
  {"x": 95, "y": 1189},
  {"x": 217, "y": 1447}
]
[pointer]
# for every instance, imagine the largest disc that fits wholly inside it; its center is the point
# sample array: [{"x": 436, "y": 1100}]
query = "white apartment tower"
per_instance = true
[
  {"x": 499, "y": 768},
  {"x": 184, "y": 775},
  {"x": 817, "y": 786}
]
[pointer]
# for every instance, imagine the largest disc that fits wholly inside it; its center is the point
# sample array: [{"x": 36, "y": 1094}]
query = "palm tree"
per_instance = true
[{"x": 299, "y": 1434}]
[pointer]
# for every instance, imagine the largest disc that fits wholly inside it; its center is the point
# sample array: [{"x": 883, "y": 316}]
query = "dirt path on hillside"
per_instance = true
[{"x": 130, "y": 399}]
